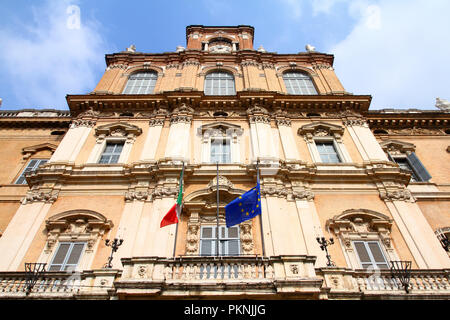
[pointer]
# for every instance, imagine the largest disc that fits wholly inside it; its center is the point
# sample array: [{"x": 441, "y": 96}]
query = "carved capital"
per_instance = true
[
  {"x": 40, "y": 196},
  {"x": 136, "y": 195},
  {"x": 303, "y": 195},
  {"x": 76, "y": 123}
]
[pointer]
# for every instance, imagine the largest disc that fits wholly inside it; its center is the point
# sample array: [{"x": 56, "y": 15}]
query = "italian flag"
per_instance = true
[{"x": 174, "y": 213}]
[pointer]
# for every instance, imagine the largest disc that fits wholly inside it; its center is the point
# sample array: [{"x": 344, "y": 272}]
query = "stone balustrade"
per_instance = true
[
  {"x": 93, "y": 284},
  {"x": 228, "y": 276},
  {"x": 243, "y": 276},
  {"x": 346, "y": 283}
]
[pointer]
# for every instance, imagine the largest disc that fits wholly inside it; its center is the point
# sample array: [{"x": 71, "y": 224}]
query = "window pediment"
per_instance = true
[
  {"x": 359, "y": 221},
  {"x": 80, "y": 225},
  {"x": 220, "y": 128},
  {"x": 396, "y": 146},
  {"x": 29, "y": 151},
  {"x": 118, "y": 129},
  {"x": 321, "y": 129}
]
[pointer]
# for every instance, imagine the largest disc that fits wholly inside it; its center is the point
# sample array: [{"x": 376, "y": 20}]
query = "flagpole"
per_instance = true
[
  {"x": 179, "y": 218},
  {"x": 260, "y": 216},
  {"x": 217, "y": 229}
]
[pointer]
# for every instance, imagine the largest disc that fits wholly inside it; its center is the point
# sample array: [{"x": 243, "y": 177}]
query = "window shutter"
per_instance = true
[
  {"x": 363, "y": 254},
  {"x": 418, "y": 167},
  {"x": 60, "y": 256},
  {"x": 378, "y": 255}
]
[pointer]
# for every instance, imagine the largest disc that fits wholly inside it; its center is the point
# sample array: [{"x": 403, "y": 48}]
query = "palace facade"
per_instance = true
[{"x": 376, "y": 182}]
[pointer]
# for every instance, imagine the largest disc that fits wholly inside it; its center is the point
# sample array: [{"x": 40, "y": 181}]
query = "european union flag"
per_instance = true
[{"x": 244, "y": 207}]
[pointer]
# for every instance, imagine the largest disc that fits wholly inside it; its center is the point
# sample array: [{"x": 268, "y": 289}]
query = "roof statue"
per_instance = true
[
  {"x": 442, "y": 104},
  {"x": 310, "y": 48},
  {"x": 131, "y": 48}
]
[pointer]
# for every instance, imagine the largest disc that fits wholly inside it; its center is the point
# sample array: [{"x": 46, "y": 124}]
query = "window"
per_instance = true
[
  {"x": 413, "y": 165},
  {"x": 370, "y": 255},
  {"x": 219, "y": 84},
  {"x": 67, "y": 256},
  {"x": 404, "y": 164},
  {"x": 298, "y": 83},
  {"x": 229, "y": 241},
  {"x": 141, "y": 83},
  {"x": 112, "y": 152},
  {"x": 31, "y": 166},
  {"x": 220, "y": 150},
  {"x": 327, "y": 152}
]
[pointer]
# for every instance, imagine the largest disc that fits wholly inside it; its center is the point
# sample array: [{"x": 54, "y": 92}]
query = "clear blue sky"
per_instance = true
[{"x": 395, "y": 50}]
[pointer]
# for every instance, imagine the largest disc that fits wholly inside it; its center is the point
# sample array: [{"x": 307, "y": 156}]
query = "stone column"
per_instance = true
[
  {"x": 310, "y": 224},
  {"x": 287, "y": 140},
  {"x": 365, "y": 141},
  {"x": 152, "y": 140},
  {"x": 73, "y": 141},
  {"x": 417, "y": 233},
  {"x": 23, "y": 228},
  {"x": 179, "y": 134},
  {"x": 286, "y": 235},
  {"x": 128, "y": 228}
]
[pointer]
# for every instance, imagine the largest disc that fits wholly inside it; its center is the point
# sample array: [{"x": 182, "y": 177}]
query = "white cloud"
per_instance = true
[
  {"x": 294, "y": 8},
  {"x": 56, "y": 54},
  {"x": 398, "y": 53}
]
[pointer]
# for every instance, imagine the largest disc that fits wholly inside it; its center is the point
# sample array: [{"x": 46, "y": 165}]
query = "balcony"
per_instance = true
[
  {"x": 248, "y": 277},
  {"x": 226, "y": 277},
  {"x": 94, "y": 284},
  {"x": 340, "y": 283}
]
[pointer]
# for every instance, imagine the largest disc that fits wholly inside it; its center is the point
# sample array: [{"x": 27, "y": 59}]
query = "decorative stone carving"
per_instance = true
[
  {"x": 118, "y": 129},
  {"x": 246, "y": 238},
  {"x": 397, "y": 195},
  {"x": 283, "y": 122},
  {"x": 223, "y": 182},
  {"x": 136, "y": 195},
  {"x": 40, "y": 196},
  {"x": 355, "y": 122},
  {"x": 76, "y": 123},
  {"x": 277, "y": 191},
  {"x": 303, "y": 195},
  {"x": 192, "y": 239},
  {"x": 396, "y": 147},
  {"x": 163, "y": 192},
  {"x": 89, "y": 113},
  {"x": 156, "y": 122},
  {"x": 321, "y": 129},
  {"x": 82, "y": 225}
]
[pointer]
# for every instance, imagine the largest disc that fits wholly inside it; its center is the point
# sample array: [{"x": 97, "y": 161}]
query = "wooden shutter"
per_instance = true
[
  {"x": 418, "y": 167},
  {"x": 363, "y": 255}
]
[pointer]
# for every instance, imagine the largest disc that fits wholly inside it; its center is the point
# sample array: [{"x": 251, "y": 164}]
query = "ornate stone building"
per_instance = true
[{"x": 377, "y": 182}]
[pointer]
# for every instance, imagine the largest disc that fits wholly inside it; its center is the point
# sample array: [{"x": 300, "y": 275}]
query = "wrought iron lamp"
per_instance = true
[
  {"x": 33, "y": 271},
  {"x": 115, "y": 244},
  {"x": 401, "y": 270},
  {"x": 324, "y": 243}
]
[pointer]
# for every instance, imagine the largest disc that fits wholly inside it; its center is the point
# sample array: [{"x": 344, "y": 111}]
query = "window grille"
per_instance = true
[
  {"x": 219, "y": 84},
  {"x": 298, "y": 83},
  {"x": 141, "y": 83},
  {"x": 31, "y": 166}
]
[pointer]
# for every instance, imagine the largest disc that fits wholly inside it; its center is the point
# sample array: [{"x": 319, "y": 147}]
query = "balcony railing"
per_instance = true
[
  {"x": 244, "y": 276},
  {"x": 58, "y": 285},
  {"x": 423, "y": 283},
  {"x": 203, "y": 276}
]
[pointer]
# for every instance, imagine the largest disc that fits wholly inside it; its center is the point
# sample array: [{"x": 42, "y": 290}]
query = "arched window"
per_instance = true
[
  {"x": 219, "y": 84},
  {"x": 298, "y": 83},
  {"x": 141, "y": 83}
]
